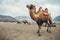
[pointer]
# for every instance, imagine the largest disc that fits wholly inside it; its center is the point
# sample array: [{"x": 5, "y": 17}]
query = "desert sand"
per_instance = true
[{"x": 14, "y": 31}]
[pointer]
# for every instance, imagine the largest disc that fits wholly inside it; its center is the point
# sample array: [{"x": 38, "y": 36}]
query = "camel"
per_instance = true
[
  {"x": 39, "y": 18},
  {"x": 18, "y": 22},
  {"x": 25, "y": 22}
]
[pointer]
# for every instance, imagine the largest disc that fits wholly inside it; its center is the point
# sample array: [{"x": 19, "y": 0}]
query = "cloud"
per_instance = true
[
  {"x": 18, "y": 7},
  {"x": 54, "y": 1},
  {"x": 11, "y": 8}
]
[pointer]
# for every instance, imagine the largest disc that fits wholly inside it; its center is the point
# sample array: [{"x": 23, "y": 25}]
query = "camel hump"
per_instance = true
[{"x": 46, "y": 17}]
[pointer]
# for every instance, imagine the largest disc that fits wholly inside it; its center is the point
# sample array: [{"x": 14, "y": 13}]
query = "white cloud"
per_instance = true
[
  {"x": 13, "y": 10},
  {"x": 18, "y": 7}
]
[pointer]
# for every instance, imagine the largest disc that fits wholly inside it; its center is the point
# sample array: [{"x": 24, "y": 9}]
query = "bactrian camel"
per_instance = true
[{"x": 39, "y": 18}]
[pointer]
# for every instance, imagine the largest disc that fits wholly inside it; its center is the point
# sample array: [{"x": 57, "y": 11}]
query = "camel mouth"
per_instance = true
[{"x": 30, "y": 6}]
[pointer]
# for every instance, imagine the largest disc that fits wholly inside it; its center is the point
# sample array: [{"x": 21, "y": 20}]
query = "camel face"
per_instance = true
[{"x": 30, "y": 6}]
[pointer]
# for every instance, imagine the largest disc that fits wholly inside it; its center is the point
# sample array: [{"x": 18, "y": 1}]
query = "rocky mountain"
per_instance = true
[
  {"x": 7, "y": 18},
  {"x": 21, "y": 18},
  {"x": 56, "y": 19}
]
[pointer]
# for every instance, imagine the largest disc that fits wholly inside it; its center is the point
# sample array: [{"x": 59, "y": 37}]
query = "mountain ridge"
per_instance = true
[
  {"x": 7, "y": 18},
  {"x": 56, "y": 19}
]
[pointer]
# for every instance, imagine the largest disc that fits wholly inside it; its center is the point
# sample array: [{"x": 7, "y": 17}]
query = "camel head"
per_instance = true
[{"x": 30, "y": 6}]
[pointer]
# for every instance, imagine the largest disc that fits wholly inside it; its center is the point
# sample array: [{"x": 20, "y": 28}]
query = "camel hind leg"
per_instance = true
[{"x": 49, "y": 28}]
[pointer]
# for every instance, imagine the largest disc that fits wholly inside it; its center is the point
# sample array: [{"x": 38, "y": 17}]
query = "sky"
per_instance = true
[{"x": 18, "y": 7}]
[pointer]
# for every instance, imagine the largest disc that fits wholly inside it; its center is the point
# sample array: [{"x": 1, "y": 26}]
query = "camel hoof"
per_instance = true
[
  {"x": 39, "y": 35},
  {"x": 38, "y": 32},
  {"x": 47, "y": 30}
]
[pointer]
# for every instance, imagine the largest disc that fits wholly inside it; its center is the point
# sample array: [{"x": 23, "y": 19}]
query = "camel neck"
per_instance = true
[{"x": 32, "y": 14}]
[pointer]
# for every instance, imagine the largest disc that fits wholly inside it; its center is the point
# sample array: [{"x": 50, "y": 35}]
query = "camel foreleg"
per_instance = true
[{"x": 39, "y": 30}]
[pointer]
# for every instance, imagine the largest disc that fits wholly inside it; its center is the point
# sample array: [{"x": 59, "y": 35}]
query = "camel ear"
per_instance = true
[
  {"x": 27, "y": 6},
  {"x": 34, "y": 6}
]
